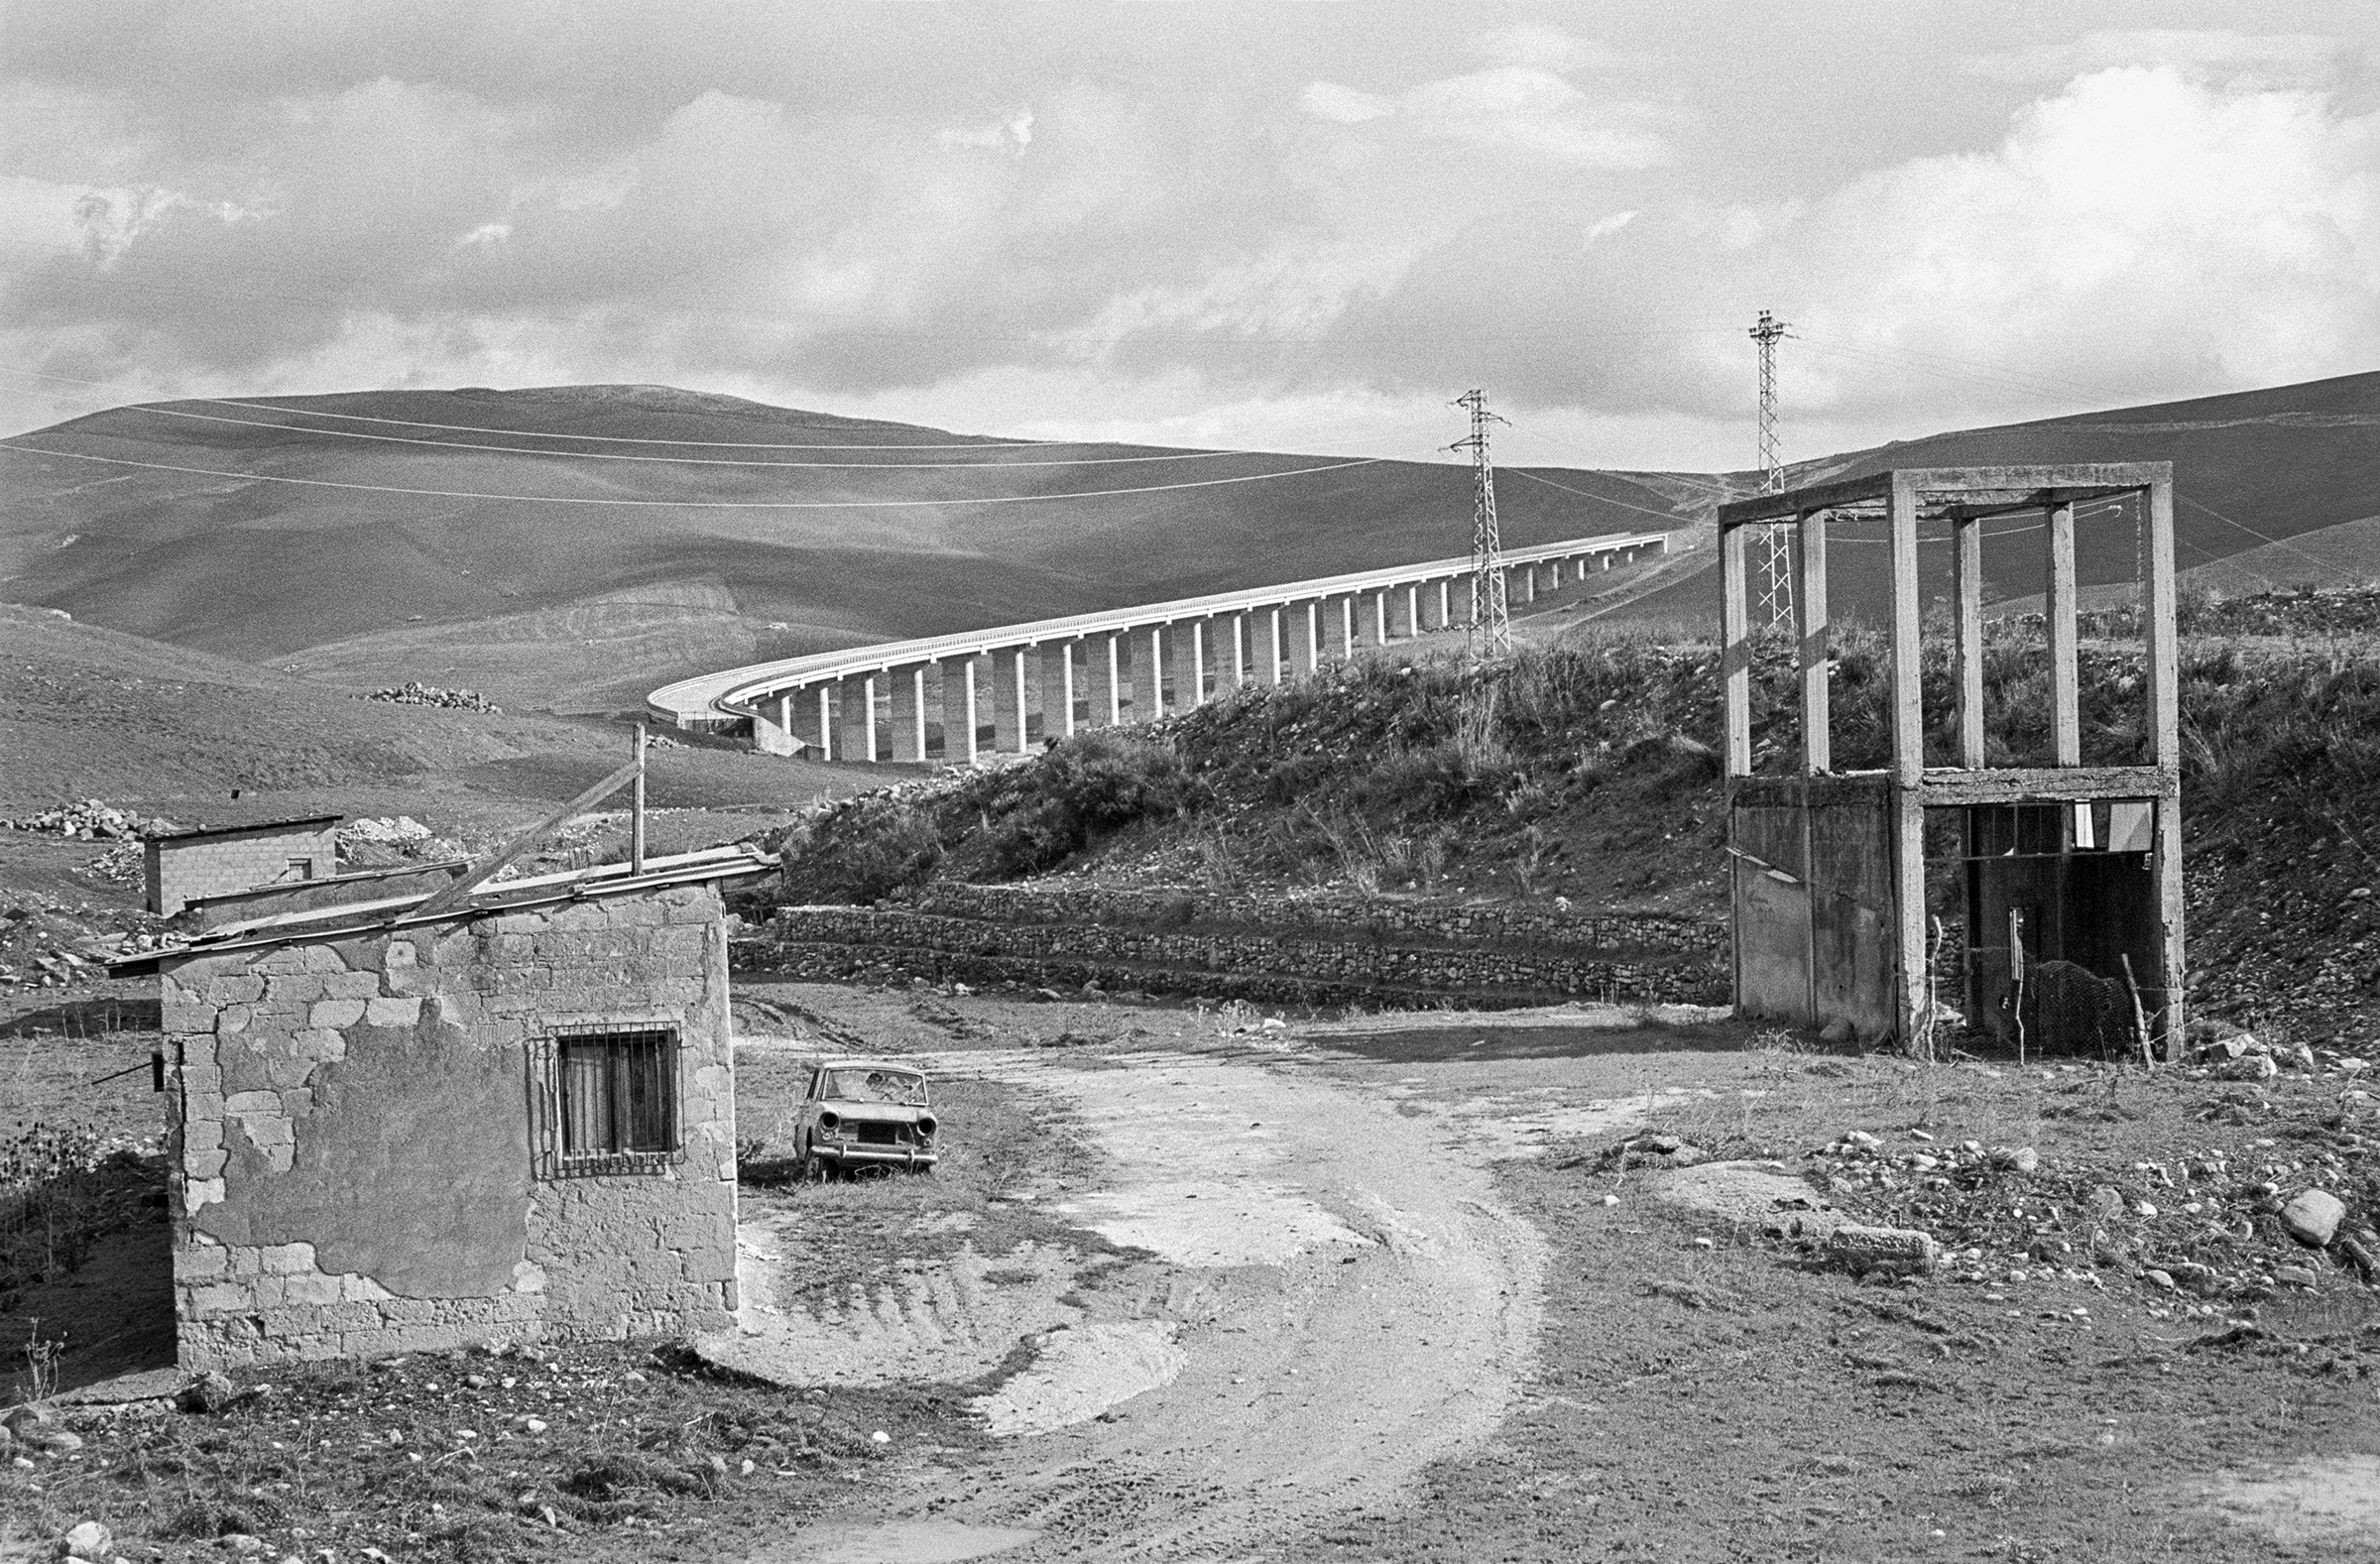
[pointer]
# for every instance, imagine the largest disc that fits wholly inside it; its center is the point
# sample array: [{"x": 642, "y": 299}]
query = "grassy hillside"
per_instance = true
[
  {"x": 1587, "y": 773},
  {"x": 584, "y": 606}
]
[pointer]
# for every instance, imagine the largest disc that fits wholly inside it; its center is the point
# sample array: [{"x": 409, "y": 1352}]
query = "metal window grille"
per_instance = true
[{"x": 605, "y": 1102}]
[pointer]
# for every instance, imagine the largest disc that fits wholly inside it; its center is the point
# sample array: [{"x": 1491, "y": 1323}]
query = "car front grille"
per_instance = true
[{"x": 882, "y": 1134}]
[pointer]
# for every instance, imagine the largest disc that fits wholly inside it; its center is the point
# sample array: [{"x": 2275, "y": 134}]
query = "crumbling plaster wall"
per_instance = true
[{"x": 352, "y": 1169}]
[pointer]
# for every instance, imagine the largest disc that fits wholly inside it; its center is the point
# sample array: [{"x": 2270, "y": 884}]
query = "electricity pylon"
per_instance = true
[
  {"x": 1772, "y": 564},
  {"x": 1490, "y": 632}
]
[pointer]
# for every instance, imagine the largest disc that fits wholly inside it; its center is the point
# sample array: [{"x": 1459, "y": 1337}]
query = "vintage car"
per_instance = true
[{"x": 862, "y": 1113}]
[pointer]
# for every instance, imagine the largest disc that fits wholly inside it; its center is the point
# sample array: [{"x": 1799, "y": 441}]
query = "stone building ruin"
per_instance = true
[{"x": 429, "y": 1121}]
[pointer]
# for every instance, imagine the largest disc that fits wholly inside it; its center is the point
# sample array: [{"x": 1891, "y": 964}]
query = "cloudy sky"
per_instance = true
[{"x": 1285, "y": 226}]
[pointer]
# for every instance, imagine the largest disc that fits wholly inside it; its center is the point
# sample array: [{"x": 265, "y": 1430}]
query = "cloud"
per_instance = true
[
  {"x": 1541, "y": 48},
  {"x": 1604, "y": 227},
  {"x": 2256, "y": 59},
  {"x": 1011, "y": 134},
  {"x": 2139, "y": 228},
  {"x": 1343, "y": 105},
  {"x": 1523, "y": 108}
]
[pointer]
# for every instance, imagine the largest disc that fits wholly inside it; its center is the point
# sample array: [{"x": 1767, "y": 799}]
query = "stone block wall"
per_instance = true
[
  {"x": 182, "y": 870},
  {"x": 354, "y": 1125}
]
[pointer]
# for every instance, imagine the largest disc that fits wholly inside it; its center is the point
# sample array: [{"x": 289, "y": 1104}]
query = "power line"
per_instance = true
[
  {"x": 1644, "y": 510},
  {"x": 1491, "y": 613},
  {"x": 2071, "y": 385},
  {"x": 693, "y": 461},
  {"x": 691, "y": 505},
  {"x": 608, "y": 439}
]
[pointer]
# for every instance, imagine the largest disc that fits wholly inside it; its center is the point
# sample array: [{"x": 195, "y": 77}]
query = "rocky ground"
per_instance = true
[{"x": 1545, "y": 1285}]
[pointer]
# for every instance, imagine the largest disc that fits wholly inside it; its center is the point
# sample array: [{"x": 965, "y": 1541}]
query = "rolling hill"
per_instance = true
[
  {"x": 2279, "y": 487},
  {"x": 570, "y": 548}
]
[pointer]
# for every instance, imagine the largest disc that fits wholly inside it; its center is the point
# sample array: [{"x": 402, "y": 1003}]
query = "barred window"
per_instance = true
[{"x": 608, "y": 1102}]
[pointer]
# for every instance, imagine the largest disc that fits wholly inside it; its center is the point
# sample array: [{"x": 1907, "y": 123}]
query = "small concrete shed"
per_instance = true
[
  {"x": 509, "y": 1118},
  {"x": 213, "y": 860}
]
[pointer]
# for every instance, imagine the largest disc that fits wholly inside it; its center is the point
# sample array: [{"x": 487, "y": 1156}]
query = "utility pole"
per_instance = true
[
  {"x": 1490, "y": 632},
  {"x": 1772, "y": 565}
]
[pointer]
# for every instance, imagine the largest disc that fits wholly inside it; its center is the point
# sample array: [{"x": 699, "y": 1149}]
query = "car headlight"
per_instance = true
[{"x": 926, "y": 1126}]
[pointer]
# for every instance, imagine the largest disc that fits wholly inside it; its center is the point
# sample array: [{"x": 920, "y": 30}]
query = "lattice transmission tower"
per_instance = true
[
  {"x": 1490, "y": 632},
  {"x": 1772, "y": 564}
]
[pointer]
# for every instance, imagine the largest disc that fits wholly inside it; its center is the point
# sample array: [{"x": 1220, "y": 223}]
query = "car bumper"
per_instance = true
[{"x": 895, "y": 1155}]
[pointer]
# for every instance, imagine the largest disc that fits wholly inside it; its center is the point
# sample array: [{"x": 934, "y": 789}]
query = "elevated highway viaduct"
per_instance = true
[{"x": 1004, "y": 689}]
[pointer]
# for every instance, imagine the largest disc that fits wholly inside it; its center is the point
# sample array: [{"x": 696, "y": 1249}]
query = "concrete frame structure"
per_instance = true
[
  {"x": 1275, "y": 632},
  {"x": 1829, "y": 868}
]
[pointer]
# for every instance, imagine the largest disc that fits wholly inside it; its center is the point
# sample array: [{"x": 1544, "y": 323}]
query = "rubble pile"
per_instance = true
[
  {"x": 415, "y": 693},
  {"x": 2209, "y": 1228},
  {"x": 389, "y": 841},
  {"x": 46, "y": 944},
  {"x": 93, "y": 821}
]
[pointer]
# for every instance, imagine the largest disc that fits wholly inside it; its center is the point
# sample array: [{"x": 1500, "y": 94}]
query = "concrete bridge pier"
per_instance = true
[
  {"x": 1148, "y": 674},
  {"x": 815, "y": 720},
  {"x": 1102, "y": 681},
  {"x": 1338, "y": 628},
  {"x": 1058, "y": 690},
  {"x": 1305, "y": 638},
  {"x": 772, "y": 727},
  {"x": 958, "y": 711},
  {"x": 855, "y": 718},
  {"x": 1009, "y": 707},
  {"x": 1265, "y": 632},
  {"x": 1188, "y": 662},
  {"x": 908, "y": 713}
]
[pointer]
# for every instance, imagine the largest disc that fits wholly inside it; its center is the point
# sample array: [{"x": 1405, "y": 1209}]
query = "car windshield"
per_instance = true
[{"x": 875, "y": 1085}]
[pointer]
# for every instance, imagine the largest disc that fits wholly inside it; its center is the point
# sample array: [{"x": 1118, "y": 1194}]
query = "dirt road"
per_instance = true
[{"x": 1336, "y": 1299}]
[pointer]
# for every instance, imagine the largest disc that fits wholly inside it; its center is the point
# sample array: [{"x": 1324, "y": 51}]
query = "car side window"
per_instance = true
[{"x": 815, "y": 1076}]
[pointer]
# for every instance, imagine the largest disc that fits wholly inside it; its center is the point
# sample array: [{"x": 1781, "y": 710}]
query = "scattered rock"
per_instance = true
[
  {"x": 2015, "y": 1159},
  {"x": 413, "y": 692},
  {"x": 88, "y": 1540},
  {"x": 212, "y": 1391},
  {"x": 2161, "y": 1278},
  {"x": 2106, "y": 1203},
  {"x": 1904, "y": 1251},
  {"x": 2313, "y": 1218},
  {"x": 2292, "y": 1276}
]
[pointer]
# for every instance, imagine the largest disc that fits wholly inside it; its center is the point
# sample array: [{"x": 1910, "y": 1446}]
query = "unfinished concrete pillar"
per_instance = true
[
  {"x": 1058, "y": 690},
  {"x": 1408, "y": 610},
  {"x": 958, "y": 711},
  {"x": 1446, "y": 604},
  {"x": 908, "y": 713},
  {"x": 1528, "y": 582}
]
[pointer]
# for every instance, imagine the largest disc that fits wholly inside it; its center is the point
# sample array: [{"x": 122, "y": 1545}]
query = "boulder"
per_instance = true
[
  {"x": 88, "y": 1541},
  {"x": 212, "y": 1391},
  {"x": 1905, "y": 1251},
  {"x": 2312, "y": 1217}
]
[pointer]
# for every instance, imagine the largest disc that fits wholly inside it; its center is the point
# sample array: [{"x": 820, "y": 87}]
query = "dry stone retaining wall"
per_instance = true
[{"x": 1294, "y": 966}]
